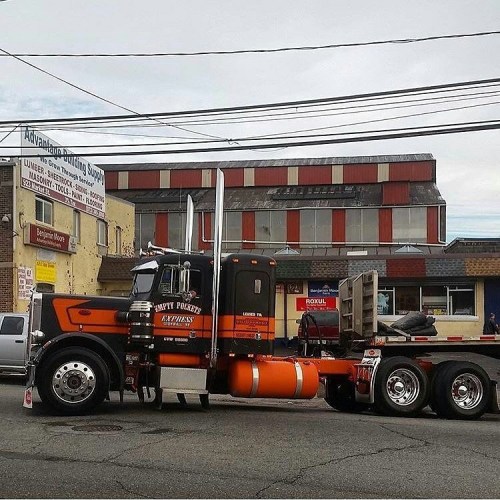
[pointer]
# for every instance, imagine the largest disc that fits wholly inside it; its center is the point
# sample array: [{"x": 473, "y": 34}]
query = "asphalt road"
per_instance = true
[{"x": 241, "y": 448}]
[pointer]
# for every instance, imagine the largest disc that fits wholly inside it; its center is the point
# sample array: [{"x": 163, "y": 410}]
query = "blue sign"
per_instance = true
[{"x": 323, "y": 289}]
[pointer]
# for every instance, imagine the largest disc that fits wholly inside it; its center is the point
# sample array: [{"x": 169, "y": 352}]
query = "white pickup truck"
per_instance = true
[{"x": 13, "y": 337}]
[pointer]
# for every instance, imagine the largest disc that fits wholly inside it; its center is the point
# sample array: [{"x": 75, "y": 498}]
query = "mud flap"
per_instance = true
[
  {"x": 494, "y": 404},
  {"x": 28, "y": 398},
  {"x": 30, "y": 383},
  {"x": 365, "y": 376}
]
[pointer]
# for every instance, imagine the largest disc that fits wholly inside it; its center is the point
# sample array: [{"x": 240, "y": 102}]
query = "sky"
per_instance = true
[{"x": 468, "y": 173}]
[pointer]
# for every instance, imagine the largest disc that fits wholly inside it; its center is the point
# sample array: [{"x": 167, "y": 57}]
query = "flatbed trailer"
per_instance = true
[{"x": 395, "y": 375}]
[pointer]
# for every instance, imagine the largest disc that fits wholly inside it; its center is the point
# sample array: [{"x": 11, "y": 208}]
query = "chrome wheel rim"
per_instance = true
[
  {"x": 467, "y": 391},
  {"x": 73, "y": 382},
  {"x": 403, "y": 387}
]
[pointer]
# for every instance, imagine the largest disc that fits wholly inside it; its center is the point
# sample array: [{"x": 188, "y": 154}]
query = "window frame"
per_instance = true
[
  {"x": 118, "y": 240},
  {"x": 44, "y": 203},
  {"x": 409, "y": 225},
  {"x": 450, "y": 290},
  {"x": 317, "y": 238},
  {"x": 102, "y": 223},
  {"x": 363, "y": 226},
  {"x": 77, "y": 225}
]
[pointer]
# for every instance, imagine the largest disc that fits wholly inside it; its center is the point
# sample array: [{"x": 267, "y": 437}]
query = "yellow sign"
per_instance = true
[{"x": 45, "y": 271}]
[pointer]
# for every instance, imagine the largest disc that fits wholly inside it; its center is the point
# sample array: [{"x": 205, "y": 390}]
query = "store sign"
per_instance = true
[
  {"x": 61, "y": 177},
  {"x": 45, "y": 272},
  {"x": 315, "y": 303},
  {"x": 323, "y": 288},
  {"x": 48, "y": 238}
]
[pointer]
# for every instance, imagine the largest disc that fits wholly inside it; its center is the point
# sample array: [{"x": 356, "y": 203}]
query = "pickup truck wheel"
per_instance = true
[
  {"x": 73, "y": 381},
  {"x": 461, "y": 391},
  {"x": 340, "y": 396},
  {"x": 401, "y": 387}
]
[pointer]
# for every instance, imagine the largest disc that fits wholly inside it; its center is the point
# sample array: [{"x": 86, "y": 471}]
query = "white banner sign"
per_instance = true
[
  {"x": 62, "y": 177},
  {"x": 24, "y": 282}
]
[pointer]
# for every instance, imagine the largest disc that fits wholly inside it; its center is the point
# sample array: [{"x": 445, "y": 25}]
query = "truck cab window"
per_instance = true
[
  {"x": 167, "y": 281},
  {"x": 142, "y": 283}
]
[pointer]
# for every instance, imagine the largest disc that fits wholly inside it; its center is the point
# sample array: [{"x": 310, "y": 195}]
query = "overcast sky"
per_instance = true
[{"x": 468, "y": 173}]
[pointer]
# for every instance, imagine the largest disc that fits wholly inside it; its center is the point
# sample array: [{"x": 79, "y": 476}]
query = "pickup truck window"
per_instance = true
[{"x": 12, "y": 325}]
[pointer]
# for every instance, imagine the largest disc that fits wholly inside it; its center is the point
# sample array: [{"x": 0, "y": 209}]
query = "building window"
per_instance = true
[
  {"x": 409, "y": 225},
  {"x": 315, "y": 227},
  {"x": 231, "y": 233},
  {"x": 144, "y": 230},
  {"x": 177, "y": 230},
  {"x": 385, "y": 301},
  {"x": 102, "y": 233},
  {"x": 118, "y": 240},
  {"x": 461, "y": 300},
  {"x": 361, "y": 225},
  {"x": 407, "y": 299},
  {"x": 75, "y": 232},
  {"x": 44, "y": 211},
  {"x": 270, "y": 226},
  {"x": 433, "y": 300}
]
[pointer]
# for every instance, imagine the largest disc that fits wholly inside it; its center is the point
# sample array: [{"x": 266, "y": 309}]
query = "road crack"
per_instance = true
[{"x": 291, "y": 480}]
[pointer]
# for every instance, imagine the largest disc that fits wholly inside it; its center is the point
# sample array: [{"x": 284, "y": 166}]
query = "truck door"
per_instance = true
[{"x": 12, "y": 341}]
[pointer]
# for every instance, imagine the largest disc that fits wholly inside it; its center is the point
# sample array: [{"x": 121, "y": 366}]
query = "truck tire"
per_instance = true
[
  {"x": 73, "y": 381},
  {"x": 461, "y": 390},
  {"x": 340, "y": 396},
  {"x": 401, "y": 387},
  {"x": 436, "y": 375}
]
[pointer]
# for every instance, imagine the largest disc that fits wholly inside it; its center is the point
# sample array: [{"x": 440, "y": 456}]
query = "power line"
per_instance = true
[
  {"x": 262, "y": 138},
  {"x": 349, "y": 124},
  {"x": 266, "y": 51},
  {"x": 318, "y": 142},
  {"x": 88, "y": 92},
  {"x": 351, "y": 97}
]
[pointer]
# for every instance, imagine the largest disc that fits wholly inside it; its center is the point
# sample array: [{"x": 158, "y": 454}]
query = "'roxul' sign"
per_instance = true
[{"x": 315, "y": 303}]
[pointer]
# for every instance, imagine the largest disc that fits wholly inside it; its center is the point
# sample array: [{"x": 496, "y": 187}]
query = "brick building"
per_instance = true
[{"x": 323, "y": 219}]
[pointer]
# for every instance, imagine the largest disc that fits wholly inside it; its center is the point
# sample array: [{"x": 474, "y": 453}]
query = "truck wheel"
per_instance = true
[
  {"x": 401, "y": 387},
  {"x": 340, "y": 396},
  {"x": 73, "y": 381},
  {"x": 462, "y": 391}
]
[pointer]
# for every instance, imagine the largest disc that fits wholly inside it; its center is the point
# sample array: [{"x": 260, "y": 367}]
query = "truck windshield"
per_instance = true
[{"x": 142, "y": 283}]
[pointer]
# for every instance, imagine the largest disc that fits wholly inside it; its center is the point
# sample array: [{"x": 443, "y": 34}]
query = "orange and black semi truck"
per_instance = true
[{"x": 200, "y": 324}]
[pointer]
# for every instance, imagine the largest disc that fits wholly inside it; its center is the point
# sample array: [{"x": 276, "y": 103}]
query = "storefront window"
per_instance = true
[
  {"x": 462, "y": 300},
  {"x": 407, "y": 299},
  {"x": 385, "y": 301},
  {"x": 433, "y": 300}
]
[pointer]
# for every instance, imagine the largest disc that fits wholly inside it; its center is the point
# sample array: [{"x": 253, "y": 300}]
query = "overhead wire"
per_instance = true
[
  {"x": 317, "y": 142},
  {"x": 351, "y": 97},
  {"x": 265, "y": 51},
  {"x": 92, "y": 94},
  {"x": 250, "y": 139},
  {"x": 326, "y": 111}
]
